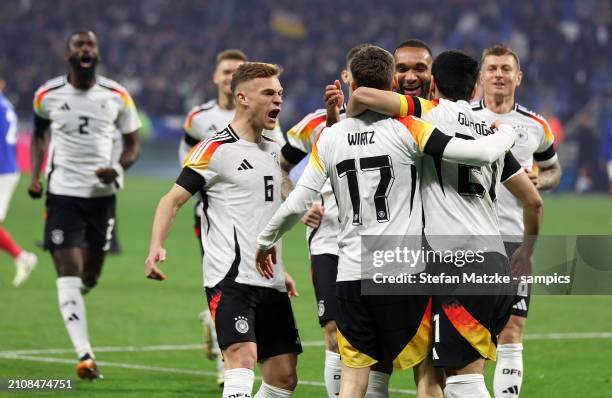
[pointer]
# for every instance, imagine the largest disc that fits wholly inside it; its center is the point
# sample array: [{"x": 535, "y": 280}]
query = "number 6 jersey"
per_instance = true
[
  {"x": 239, "y": 182},
  {"x": 83, "y": 124}
]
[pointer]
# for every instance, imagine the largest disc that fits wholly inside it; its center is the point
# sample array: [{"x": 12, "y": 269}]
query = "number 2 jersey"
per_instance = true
[
  {"x": 83, "y": 125},
  {"x": 534, "y": 142},
  {"x": 239, "y": 182},
  {"x": 459, "y": 200}
]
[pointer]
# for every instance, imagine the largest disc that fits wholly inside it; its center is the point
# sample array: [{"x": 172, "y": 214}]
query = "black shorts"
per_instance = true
[
  {"x": 252, "y": 313},
  {"x": 466, "y": 326},
  {"x": 372, "y": 328},
  {"x": 79, "y": 222},
  {"x": 324, "y": 269},
  {"x": 520, "y": 304}
]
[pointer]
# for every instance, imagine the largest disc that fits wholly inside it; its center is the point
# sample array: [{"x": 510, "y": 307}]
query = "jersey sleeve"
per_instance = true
[
  {"x": 415, "y": 106},
  {"x": 40, "y": 109},
  {"x": 315, "y": 173},
  {"x": 545, "y": 154},
  {"x": 200, "y": 160},
  {"x": 511, "y": 167},
  {"x": 192, "y": 127},
  {"x": 127, "y": 120},
  {"x": 300, "y": 137}
]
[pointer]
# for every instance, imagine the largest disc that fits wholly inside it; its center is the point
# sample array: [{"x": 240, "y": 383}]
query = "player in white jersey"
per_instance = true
[
  {"x": 363, "y": 157},
  {"x": 500, "y": 75},
  {"x": 82, "y": 112},
  {"x": 239, "y": 173},
  {"x": 322, "y": 230},
  {"x": 460, "y": 212},
  {"x": 201, "y": 123}
]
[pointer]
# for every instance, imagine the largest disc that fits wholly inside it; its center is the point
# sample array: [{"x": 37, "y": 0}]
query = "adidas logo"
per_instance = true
[
  {"x": 65, "y": 107},
  {"x": 245, "y": 165},
  {"x": 521, "y": 305},
  {"x": 73, "y": 317},
  {"x": 511, "y": 390}
]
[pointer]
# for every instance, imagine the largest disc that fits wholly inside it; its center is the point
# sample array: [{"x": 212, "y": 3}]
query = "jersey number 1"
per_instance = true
[{"x": 348, "y": 168}]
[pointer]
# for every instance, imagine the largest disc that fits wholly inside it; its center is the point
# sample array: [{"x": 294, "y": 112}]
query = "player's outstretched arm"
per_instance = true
[
  {"x": 167, "y": 209},
  {"x": 38, "y": 146},
  {"x": 483, "y": 151},
  {"x": 523, "y": 189}
]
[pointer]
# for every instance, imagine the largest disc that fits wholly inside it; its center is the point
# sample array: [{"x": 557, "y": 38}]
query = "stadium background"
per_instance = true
[{"x": 163, "y": 52}]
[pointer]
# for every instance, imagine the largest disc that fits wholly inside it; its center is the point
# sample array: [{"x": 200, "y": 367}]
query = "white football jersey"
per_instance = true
[
  {"x": 205, "y": 120},
  {"x": 534, "y": 141},
  {"x": 300, "y": 138},
  {"x": 373, "y": 164},
  {"x": 83, "y": 126},
  {"x": 458, "y": 199},
  {"x": 240, "y": 186}
]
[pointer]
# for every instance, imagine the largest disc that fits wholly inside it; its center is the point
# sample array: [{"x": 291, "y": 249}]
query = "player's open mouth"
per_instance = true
[
  {"x": 499, "y": 84},
  {"x": 273, "y": 114},
  {"x": 411, "y": 90},
  {"x": 86, "y": 61}
]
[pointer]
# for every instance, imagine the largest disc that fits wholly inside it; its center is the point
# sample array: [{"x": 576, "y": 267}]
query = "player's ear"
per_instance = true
[
  {"x": 344, "y": 75},
  {"x": 215, "y": 78},
  {"x": 432, "y": 88},
  {"x": 519, "y": 78},
  {"x": 241, "y": 98}
]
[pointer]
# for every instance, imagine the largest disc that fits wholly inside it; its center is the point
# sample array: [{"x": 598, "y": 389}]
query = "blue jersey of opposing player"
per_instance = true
[{"x": 8, "y": 137}]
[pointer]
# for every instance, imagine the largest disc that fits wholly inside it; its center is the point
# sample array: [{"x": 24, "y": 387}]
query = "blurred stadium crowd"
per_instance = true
[{"x": 163, "y": 51}]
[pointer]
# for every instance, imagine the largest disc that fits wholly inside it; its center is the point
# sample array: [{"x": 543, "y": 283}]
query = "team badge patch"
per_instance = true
[
  {"x": 242, "y": 325},
  {"x": 57, "y": 236},
  {"x": 321, "y": 310}
]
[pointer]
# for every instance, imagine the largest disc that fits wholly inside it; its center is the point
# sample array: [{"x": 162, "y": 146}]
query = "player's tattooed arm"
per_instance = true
[
  {"x": 523, "y": 189},
  {"x": 168, "y": 207},
  {"x": 286, "y": 184},
  {"x": 40, "y": 140},
  {"x": 548, "y": 178}
]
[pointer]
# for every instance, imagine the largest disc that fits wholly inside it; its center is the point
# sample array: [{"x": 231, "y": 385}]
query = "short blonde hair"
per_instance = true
[
  {"x": 497, "y": 50},
  {"x": 253, "y": 70},
  {"x": 232, "y": 54}
]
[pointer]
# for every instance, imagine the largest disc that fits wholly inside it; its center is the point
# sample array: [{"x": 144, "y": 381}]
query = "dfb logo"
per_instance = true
[{"x": 511, "y": 372}]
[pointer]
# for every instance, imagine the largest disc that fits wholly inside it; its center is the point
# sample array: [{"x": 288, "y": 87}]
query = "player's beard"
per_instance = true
[{"x": 83, "y": 73}]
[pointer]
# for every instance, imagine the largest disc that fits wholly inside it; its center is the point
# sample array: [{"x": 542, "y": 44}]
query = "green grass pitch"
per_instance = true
[{"x": 127, "y": 312}]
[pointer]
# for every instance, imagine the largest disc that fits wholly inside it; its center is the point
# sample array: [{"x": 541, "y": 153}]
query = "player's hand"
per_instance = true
[
  {"x": 520, "y": 263},
  {"x": 151, "y": 269},
  {"x": 107, "y": 175},
  {"x": 265, "y": 260},
  {"x": 291, "y": 286},
  {"x": 535, "y": 180},
  {"x": 496, "y": 124},
  {"x": 314, "y": 215},
  {"x": 35, "y": 189},
  {"x": 333, "y": 99}
]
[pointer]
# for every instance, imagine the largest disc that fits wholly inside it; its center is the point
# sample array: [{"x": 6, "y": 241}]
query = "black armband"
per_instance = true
[
  {"x": 511, "y": 166},
  {"x": 544, "y": 156},
  {"x": 437, "y": 142},
  {"x": 40, "y": 124},
  {"x": 292, "y": 154},
  {"x": 190, "y": 180},
  {"x": 190, "y": 140}
]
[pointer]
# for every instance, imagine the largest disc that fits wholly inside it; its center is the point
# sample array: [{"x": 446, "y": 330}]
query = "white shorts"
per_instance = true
[
  {"x": 8, "y": 183},
  {"x": 610, "y": 170}
]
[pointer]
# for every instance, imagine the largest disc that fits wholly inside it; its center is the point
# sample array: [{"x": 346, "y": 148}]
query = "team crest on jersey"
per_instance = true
[
  {"x": 242, "y": 325},
  {"x": 57, "y": 236},
  {"x": 522, "y": 134},
  {"x": 276, "y": 158},
  {"x": 321, "y": 310}
]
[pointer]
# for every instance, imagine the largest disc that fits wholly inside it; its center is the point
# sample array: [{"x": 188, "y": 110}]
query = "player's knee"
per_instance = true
[
  {"x": 286, "y": 378},
  {"x": 331, "y": 337},
  {"x": 240, "y": 355},
  {"x": 513, "y": 331}
]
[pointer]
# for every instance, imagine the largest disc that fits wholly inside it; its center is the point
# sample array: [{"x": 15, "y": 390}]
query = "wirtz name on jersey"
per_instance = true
[
  {"x": 362, "y": 138},
  {"x": 480, "y": 128}
]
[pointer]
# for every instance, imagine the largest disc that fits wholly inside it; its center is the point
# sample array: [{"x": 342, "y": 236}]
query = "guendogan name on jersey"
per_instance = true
[{"x": 480, "y": 128}]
